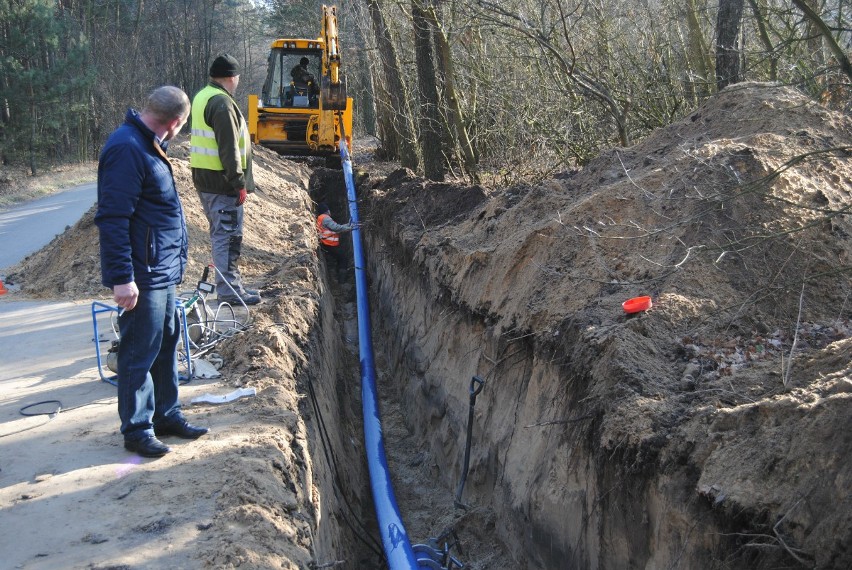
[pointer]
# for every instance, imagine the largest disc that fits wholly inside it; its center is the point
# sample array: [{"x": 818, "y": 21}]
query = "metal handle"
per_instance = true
[{"x": 476, "y": 386}]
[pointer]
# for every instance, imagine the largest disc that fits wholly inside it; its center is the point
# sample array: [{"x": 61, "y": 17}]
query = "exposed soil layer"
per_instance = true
[{"x": 710, "y": 431}]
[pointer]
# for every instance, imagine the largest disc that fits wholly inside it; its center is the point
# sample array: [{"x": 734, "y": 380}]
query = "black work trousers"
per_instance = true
[{"x": 341, "y": 259}]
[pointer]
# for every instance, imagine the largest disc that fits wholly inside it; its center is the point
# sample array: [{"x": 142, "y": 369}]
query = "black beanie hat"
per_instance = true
[{"x": 225, "y": 65}]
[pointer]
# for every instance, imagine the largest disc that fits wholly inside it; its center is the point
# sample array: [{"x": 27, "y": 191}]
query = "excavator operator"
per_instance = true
[{"x": 304, "y": 79}]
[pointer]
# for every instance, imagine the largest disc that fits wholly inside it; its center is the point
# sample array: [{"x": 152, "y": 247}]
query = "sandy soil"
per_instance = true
[
  {"x": 733, "y": 220},
  {"x": 112, "y": 510},
  {"x": 711, "y": 428}
]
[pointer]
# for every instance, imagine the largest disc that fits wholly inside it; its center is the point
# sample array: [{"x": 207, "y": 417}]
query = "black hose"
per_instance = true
[
  {"x": 51, "y": 413},
  {"x": 363, "y": 533}
]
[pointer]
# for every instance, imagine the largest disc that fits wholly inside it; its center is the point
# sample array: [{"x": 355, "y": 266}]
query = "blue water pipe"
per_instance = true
[{"x": 397, "y": 546}]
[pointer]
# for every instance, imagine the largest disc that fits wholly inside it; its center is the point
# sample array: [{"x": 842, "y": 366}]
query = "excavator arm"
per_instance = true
[{"x": 333, "y": 87}]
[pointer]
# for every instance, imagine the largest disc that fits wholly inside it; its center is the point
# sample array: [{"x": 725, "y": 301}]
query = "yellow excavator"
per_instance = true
[{"x": 303, "y": 108}]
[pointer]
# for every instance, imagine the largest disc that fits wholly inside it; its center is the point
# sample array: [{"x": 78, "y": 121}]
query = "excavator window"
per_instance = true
[
  {"x": 291, "y": 79},
  {"x": 272, "y": 88}
]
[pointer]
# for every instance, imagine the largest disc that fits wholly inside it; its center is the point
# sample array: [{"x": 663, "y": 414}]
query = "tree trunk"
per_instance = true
[
  {"x": 698, "y": 58},
  {"x": 763, "y": 33},
  {"x": 430, "y": 123},
  {"x": 727, "y": 42},
  {"x": 403, "y": 145},
  {"x": 33, "y": 134},
  {"x": 460, "y": 139}
]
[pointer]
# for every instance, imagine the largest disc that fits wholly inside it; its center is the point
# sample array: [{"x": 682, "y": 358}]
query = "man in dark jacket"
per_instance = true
[
  {"x": 221, "y": 161},
  {"x": 143, "y": 243},
  {"x": 304, "y": 79}
]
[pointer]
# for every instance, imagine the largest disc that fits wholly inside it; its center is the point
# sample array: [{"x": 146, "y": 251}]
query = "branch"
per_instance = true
[
  {"x": 827, "y": 36},
  {"x": 786, "y": 378}
]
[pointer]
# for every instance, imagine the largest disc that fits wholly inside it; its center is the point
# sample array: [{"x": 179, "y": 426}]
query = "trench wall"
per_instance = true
[
  {"x": 560, "y": 501},
  {"x": 336, "y": 482},
  {"x": 338, "y": 476},
  {"x": 340, "y": 511}
]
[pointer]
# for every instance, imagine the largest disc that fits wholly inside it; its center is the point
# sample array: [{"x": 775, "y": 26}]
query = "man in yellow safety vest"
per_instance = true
[{"x": 221, "y": 161}]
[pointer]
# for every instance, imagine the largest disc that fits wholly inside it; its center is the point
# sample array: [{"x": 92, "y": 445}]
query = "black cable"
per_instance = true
[
  {"x": 325, "y": 442},
  {"x": 59, "y": 407},
  {"x": 51, "y": 414}
]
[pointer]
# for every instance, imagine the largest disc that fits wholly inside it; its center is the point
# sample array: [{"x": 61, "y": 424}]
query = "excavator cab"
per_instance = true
[{"x": 291, "y": 78}]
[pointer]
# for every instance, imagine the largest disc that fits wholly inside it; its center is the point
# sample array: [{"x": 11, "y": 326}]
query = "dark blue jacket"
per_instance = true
[{"x": 140, "y": 217}]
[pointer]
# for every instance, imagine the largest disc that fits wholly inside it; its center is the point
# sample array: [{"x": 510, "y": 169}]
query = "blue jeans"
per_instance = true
[{"x": 147, "y": 364}]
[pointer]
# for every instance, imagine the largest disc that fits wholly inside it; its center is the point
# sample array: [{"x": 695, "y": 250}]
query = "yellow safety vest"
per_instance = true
[
  {"x": 203, "y": 151},
  {"x": 327, "y": 236}
]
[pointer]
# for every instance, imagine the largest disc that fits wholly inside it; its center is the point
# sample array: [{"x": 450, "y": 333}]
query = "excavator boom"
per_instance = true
[{"x": 334, "y": 90}]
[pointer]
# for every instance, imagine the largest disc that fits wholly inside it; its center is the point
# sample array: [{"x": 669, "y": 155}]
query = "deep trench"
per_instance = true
[
  {"x": 536, "y": 495},
  {"x": 544, "y": 490},
  {"x": 539, "y": 494},
  {"x": 425, "y": 475}
]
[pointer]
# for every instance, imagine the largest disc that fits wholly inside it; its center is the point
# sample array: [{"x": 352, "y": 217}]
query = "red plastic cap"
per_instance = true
[{"x": 636, "y": 304}]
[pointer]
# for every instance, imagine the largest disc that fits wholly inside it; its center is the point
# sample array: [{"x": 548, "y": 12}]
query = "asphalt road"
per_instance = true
[
  {"x": 28, "y": 227},
  {"x": 50, "y": 340}
]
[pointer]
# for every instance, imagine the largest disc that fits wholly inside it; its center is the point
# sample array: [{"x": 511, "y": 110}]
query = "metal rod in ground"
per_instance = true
[{"x": 476, "y": 386}]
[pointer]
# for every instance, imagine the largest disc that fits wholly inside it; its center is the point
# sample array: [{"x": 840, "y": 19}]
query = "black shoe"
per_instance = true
[
  {"x": 248, "y": 299},
  {"x": 148, "y": 446},
  {"x": 180, "y": 428}
]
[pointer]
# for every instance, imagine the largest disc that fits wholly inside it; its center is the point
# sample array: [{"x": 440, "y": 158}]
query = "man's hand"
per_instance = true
[
  {"x": 126, "y": 295},
  {"x": 241, "y": 196}
]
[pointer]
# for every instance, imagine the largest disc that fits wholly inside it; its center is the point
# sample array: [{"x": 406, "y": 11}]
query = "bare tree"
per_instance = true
[
  {"x": 828, "y": 37},
  {"x": 431, "y": 132},
  {"x": 398, "y": 133},
  {"x": 763, "y": 34},
  {"x": 460, "y": 139},
  {"x": 727, "y": 42},
  {"x": 697, "y": 53}
]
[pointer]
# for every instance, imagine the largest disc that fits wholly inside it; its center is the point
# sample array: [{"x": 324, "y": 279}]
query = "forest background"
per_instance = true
[{"x": 514, "y": 90}]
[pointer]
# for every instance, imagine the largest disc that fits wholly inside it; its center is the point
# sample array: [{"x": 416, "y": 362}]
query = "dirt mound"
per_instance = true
[
  {"x": 69, "y": 267},
  {"x": 734, "y": 387},
  {"x": 736, "y": 223}
]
